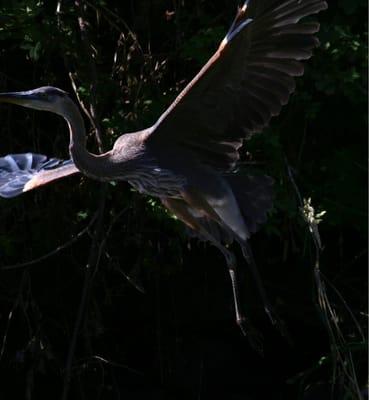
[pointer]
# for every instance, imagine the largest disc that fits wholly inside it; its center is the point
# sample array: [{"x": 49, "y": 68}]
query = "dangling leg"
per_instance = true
[
  {"x": 233, "y": 273},
  {"x": 253, "y": 336},
  {"x": 228, "y": 215},
  {"x": 247, "y": 253},
  {"x": 221, "y": 206},
  {"x": 180, "y": 209}
]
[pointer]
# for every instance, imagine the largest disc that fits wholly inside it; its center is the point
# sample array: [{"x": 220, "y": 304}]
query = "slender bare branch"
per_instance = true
[
  {"x": 86, "y": 43},
  {"x": 53, "y": 252},
  {"x": 92, "y": 264},
  {"x": 11, "y": 314}
]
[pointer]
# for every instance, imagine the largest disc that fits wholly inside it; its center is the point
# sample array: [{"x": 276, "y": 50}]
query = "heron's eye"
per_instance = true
[{"x": 43, "y": 95}]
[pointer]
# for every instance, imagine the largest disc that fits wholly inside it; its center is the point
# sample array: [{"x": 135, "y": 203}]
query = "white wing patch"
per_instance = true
[
  {"x": 22, "y": 172},
  {"x": 229, "y": 212}
]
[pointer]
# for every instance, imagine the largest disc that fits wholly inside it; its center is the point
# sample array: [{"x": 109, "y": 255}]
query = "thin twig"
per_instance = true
[
  {"x": 11, "y": 314},
  {"x": 53, "y": 252},
  {"x": 90, "y": 267},
  {"x": 72, "y": 77},
  {"x": 118, "y": 18},
  {"x": 107, "y": 234},
  {"x": 340, "y": 296},
  {"x": 97, "y": 358},
  {"x": 83, "y": 27}
]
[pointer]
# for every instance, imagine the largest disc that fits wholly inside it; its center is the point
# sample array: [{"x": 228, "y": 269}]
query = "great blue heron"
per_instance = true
[{"x": 187, "y": 157}]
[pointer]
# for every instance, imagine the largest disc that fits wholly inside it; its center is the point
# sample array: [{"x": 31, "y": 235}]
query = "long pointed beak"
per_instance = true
[{"x": 21, "y": 98}]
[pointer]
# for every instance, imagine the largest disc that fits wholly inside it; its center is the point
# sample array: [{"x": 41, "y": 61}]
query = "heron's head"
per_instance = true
[{"x": 45, "y": 98}]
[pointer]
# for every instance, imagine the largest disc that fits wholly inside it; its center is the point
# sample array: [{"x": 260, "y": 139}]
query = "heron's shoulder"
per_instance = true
[
  {"x": 130, "y": 145},
  {"x": 130, "y": 139}
]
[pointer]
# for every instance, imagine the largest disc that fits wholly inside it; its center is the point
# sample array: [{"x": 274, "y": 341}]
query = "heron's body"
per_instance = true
[
  {"x": 150, "y": 173},
  {"x": 181, "y": 182},
  {"x": 186, "y": 159}
]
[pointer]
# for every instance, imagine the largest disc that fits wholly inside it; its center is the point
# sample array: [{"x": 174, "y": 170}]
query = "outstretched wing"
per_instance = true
[
  {"x": 20, "y": 173},
  {"x": 245, "y": 83}
]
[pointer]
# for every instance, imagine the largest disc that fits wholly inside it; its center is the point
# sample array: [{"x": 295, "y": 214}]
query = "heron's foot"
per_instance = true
[
  {"x": 242, "y": 323},
  {"x": 134, "y": 277},
  {"x": 278, "y": 323},
  {"x": 254, "y": 337},
  {"x": 272, "y": 315}
]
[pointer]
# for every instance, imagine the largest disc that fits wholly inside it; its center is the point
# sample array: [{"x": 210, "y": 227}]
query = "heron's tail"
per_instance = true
[
  {"x": 254, "y": 195},
  {"x": 20, "y": 173}
]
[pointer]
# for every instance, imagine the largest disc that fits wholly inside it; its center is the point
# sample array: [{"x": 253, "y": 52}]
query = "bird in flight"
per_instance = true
[{"x": 188, "y": 157}]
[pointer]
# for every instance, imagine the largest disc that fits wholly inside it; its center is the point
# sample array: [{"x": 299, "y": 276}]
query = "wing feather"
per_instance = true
[
  {"x": 20, "y": 173},
  {"x": 245, "y": 83}
]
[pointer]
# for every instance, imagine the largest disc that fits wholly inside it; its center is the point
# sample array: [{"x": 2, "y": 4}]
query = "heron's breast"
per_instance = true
[{"x": 158, "y": 182}]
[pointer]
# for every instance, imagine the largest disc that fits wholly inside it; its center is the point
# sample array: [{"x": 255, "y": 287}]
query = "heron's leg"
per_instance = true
[
  {"x": 229, "y": 217},
  {"x": 247, "y": 329},
  {"x": 247, "y": 253},
  {"x": 254, "y": 337},
  {"x": 274, "y": 318},
  {"x": 233, "y": 273},
  {"x": 181, "y": 209}
]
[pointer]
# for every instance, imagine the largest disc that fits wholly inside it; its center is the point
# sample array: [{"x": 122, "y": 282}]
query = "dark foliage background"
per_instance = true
[{"x": 179, "y": 339}]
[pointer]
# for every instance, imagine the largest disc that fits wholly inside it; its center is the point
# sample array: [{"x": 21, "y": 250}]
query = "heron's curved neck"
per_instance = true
[{"x": 93, "y": 165}]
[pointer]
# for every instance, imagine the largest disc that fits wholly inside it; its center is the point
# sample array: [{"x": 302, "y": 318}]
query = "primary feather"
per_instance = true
[
  {"x": 244, "y": 84},
  {"x": 22, "y": 172}
]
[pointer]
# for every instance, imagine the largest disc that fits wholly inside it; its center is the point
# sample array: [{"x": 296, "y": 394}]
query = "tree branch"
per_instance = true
[
  {"x": 53, "y": 252},
  {"x": 97, "y": 238}
]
